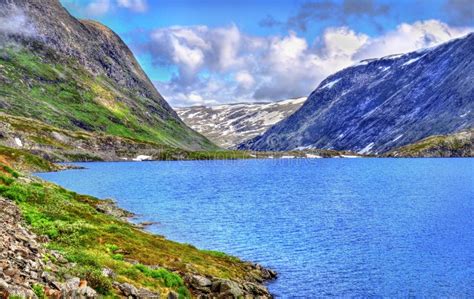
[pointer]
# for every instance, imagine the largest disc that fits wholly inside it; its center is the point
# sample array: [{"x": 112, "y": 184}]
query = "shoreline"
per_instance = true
[{"x": 85, "y": 244}]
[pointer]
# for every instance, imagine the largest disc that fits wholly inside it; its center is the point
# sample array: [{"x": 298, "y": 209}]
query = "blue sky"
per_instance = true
[{"x": 208, "y": 52}]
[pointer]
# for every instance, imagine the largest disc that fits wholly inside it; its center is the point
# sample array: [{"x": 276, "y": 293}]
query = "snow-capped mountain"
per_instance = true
[
  {"x": 232, "y": 124},
  {"x": 381, "y": 104}
]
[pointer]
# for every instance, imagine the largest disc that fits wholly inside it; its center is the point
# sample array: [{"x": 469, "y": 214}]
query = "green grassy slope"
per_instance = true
[
  {"x": 59, "y": 92},
  {"x": 94, "y": 240}
]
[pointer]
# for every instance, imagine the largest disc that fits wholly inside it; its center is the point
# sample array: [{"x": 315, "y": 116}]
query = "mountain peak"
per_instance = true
[{"x": 380, "y": 104}]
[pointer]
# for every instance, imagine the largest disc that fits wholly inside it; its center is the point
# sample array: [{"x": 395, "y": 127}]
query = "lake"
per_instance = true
[{"x": 329, "y": 227}]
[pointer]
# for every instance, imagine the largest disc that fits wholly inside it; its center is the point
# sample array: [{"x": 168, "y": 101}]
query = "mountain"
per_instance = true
[
  {"x": 381, "y": 104},
  {"x": 78, "y": 75},
  {"x": 230, "y": 125}
]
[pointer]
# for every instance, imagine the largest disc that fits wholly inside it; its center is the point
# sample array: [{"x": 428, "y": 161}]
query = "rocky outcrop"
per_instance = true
[
  {"x": 212, "y": 287},
  {"x": 381, "y": 104},
  {"x": 231, "y": 124},
  {"x": 21, "y": 256}
]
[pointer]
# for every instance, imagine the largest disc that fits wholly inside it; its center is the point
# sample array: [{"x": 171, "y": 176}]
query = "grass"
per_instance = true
[
  {"x": 94, "y": 241},
  {"x": 59, "y": 92},
  {"x": 22, "y": 160}
]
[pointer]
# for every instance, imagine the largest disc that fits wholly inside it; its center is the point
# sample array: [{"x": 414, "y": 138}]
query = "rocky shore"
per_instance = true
[{"x": 29, "y": 270}]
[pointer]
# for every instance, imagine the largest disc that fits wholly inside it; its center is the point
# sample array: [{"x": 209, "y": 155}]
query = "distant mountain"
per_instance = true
[
  {"x": 79, "y": 75},
  {"x": 381, "y": 104},
  {"x": 230, "y": 125}
]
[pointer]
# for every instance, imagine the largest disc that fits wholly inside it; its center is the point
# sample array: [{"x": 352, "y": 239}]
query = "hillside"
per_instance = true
[
  {"x": 460, "y": 144},
  {"x": 381, "y": 104},
  {"x": 232, "y": 124},
  {"x": 79, "y": 75},
  {"x": 61, "y": 244}
]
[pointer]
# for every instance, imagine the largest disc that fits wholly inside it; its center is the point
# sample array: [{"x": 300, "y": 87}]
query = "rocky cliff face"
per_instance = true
[
  {"x": 230, "y": 125},
  {"x": 381, "y": 104},
  {"x": 60, "y": 50}
]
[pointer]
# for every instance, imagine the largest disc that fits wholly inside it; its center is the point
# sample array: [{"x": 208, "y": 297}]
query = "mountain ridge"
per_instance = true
[
  {"x": 385, "y": 103},
  {"x": 79, "y": 75},
  {"x": 230, "y": 124}
]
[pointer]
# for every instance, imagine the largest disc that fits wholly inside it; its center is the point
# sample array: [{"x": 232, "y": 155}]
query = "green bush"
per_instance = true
[
  {"x": 168, "y": 278},
  {"x": 39, "y": 291},
  {"x": 117, "y": 257},
  {"x": 6, "y": 180},
  {"x": 95, "y": 280},
  {"x": 83, "y": 258},
  {"x": 16, "y": 193}
]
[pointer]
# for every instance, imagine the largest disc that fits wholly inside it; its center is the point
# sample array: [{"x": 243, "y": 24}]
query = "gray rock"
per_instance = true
[
  {"x": 224, "y": 288},
  {"x": 173, "y": 295},
  {"x": 198, "y": 282},
  {"x": 127, "y": 289}
]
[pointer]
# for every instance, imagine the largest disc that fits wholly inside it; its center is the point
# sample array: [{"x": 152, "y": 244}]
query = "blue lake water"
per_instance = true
[{"x": 329, "y": 227}]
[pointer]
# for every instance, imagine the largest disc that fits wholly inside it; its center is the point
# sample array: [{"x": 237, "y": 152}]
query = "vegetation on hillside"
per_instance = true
[
  {"x": 58, "y": 91},
  {"x": 455, "y": 145},
  {"x": 94, "y": 240}
]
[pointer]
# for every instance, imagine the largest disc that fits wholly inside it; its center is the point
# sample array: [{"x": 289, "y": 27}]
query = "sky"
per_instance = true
[{"x": 208, "y": 52}]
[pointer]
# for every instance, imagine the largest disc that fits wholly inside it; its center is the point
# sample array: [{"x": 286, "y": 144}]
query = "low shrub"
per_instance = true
[{"x": 168, "y": 278}]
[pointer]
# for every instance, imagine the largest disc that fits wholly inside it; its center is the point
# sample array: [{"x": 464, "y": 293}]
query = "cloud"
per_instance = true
[
  {"x": 221, "y": 65},
  {"x": 135, "y": 5},
  {"x": 322, "y": 10},
  {"x": 98, "y": 7},
  {"x": 13, "y": 21}
]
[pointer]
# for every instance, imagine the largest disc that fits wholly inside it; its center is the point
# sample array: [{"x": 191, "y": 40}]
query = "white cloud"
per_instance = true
[
  {"x": 14, "y": 21},
  {"x": 101, "y": 7},
  {"x": 219, "y": 65},
  {"x": 410, "y": 37},
  {"x": 98, "y": 7},
  {"x": 135, "y": 5}
]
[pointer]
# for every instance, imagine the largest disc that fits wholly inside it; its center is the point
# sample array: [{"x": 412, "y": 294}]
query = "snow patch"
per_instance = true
[
  {"x": 366, "y": 149},
  {"x": 330, "y": 84},
  {"x": 287, "y": 157},
  {"x": 398, "y": 137},
  {"x": 18, "y": 142},
  {"x": 311, "y": 156},
  {"x": 140, "y": 158},
  {"x": 349, "y": 156},
  {"x": 411, "y": 61}
]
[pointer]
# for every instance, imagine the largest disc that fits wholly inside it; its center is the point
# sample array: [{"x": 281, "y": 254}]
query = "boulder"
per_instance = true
[{"x": 198, "y": 282}]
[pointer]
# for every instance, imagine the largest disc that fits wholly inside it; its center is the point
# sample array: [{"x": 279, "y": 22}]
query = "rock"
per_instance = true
[
  {"x": 109, "y": 207},
  {"x": 225, "y": 288},
  {"x": 107, "y": 272},
  {"x": 146, "y": 294},
  {"x": 198, "y": 282},
  {"x": 75, "y": 288},
  {"x": 173, "y": 295},
  {"x": 127, "y": 289},
  {"x": 86, "y": 292}
]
